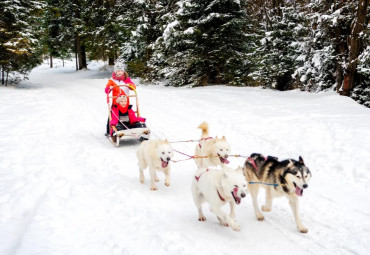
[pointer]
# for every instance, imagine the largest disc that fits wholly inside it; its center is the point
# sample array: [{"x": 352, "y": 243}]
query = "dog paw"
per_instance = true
[
  {"x": 142, "y": 181},
  {"x": 265, "y": 208},
  {"x": 303, "y": 230},
  {"x": 167, "y": 184},
  {"x": 224, "y": 224},
  {"x": 153, "y": 188},
  {"x": 202, "y": 218},
  {"x": 260, "y": 218},
  {"x": 236, "y": 227}
]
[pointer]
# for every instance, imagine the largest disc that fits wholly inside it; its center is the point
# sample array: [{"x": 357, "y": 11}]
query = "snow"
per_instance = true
[
  {"x": 65, "y": 189},
  {"x": 170, "y": 27}
]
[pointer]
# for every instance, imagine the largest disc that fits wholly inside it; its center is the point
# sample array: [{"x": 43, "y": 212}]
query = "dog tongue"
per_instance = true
[
  {"x": 164, "y": 163},
  {"x": 298, "y": 191},
  {"x": 225, "y": 161},
  {"x": 237, "y": 199}
]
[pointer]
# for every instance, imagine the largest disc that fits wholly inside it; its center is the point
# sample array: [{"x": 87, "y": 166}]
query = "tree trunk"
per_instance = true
[
  {"x": 51, "y": 61},
  {"x": 111, "y": 59},
  {"x": 7, "y": 75},
  {"x": 340, "y": 51},
  {"x": 356, "y": 28},
  {"x": 76, "y": 57},
  {"x": 2, "y": 75},
  {"x": 79, "y": 51},
  {"x": 277, "y": 4},
  {"x": 83, "y": 54}
]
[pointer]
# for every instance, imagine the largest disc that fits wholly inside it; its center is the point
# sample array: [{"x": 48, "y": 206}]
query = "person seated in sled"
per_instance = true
[
  {"x": 119, "y": 77},
  {"x": 122, "y": 115}
]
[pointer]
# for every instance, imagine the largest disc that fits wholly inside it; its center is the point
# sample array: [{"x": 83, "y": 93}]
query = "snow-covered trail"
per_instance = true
[{"x": 64, "y": 188}]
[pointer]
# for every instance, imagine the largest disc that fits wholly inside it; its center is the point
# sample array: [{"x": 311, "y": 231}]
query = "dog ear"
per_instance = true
[
  {"x": 290, "y": 163},
  {"x": 301, "y": 160},
  {"x": 223, "y": 138}
]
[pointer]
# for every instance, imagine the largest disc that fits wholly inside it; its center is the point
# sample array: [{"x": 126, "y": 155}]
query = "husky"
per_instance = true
[
  {"x": 212, "y": 152},
  {"x": 157, "y": 155},
  {"x": 288, "y": 177},
  {"x": 218, "y": 187}
]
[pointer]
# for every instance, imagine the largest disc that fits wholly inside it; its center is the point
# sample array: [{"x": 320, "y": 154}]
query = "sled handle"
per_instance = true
[{"x": 131, "y": 88}]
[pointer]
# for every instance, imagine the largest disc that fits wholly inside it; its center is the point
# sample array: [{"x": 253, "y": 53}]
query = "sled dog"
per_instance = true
[
  {"x": 218, "y": 187},
  {"x": 288, "y": 177},
  {"x": 157, "y": 155},
  {"x": 215, "y": 151}
]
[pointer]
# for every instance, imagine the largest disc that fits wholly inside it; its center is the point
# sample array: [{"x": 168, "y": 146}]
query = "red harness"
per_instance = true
[
  {"x": 222, "y": 199},
  {"x": 207, "y": 138},
  {"x": 198, "y": 177},
  {"x": 251, "y": 160}
]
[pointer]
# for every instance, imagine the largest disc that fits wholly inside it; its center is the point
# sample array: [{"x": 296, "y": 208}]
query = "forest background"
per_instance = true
[{"x": 279, "y": 44}]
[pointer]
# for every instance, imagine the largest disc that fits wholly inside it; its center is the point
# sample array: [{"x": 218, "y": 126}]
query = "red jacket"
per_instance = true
[{"x": 118, "y": 90}]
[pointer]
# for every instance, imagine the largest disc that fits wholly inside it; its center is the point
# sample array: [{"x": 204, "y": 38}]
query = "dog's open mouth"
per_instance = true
[
  {"x": 164, "y": 163},
  {"x": 222, "y": 159},
  {"x": 298, "y": 190},
  {"x": 235, "y": 196}
]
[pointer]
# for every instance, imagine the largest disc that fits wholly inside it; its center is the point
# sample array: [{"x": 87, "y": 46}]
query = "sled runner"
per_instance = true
[{"x": 124, "y": 130}]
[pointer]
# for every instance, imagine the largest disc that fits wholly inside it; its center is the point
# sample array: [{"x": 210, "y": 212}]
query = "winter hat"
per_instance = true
[
  {"x": 119, "y": 66},
  {"x": 121, "y": 97}
]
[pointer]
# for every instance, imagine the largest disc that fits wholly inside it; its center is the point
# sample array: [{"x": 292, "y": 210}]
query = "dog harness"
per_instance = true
[
  {"x": 251, "y": 160},
  {"x": 198, "y": 177},
  {"x": 222, "y": 199},
  {"x": 207, "y": 138}
]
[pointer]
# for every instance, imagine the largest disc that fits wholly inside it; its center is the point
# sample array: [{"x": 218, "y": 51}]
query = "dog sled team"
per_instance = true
[
  {"x": 219, "y": 186},
  {"x": 214, "y": 182}
]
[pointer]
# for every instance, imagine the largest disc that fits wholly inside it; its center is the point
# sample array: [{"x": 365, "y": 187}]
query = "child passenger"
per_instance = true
[
  {"x": 122, "y": 112},
  {"x": 119, "y": 77}
]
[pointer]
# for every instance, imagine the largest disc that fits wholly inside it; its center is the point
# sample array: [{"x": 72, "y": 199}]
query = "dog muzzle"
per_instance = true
[
  {"x": 223, "y": 159},
  {"x": 235, "y": 195},
  {"x": 165, "y": 162}
]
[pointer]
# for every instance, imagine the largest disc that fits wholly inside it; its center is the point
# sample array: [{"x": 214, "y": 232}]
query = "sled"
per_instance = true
[{"x": 136, "y": 131}]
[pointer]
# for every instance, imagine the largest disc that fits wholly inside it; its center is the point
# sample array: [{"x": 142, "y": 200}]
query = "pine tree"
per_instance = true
[
  {"x": 283, "y": 46},
  {"x": 205, "y": 42},
  {"x": 19, "y": 43},
  {"x": 143, "y": 22},
  {"x": 106, "y": 27}
]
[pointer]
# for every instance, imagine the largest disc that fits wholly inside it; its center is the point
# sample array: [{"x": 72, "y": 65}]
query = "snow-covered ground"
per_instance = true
[{"x": 65, "y": 189}]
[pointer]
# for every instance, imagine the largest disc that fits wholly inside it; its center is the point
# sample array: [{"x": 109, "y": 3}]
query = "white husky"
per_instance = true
[
  {"x": 212, "y": 152},
  {"x": 156, "y": 154},
  {"x": 218, "y": 187}
]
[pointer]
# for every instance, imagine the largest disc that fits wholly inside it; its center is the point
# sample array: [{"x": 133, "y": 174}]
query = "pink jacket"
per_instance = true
[{"x": 131, "y": 115}]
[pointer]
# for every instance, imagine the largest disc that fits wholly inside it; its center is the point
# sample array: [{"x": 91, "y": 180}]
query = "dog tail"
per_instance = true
[{"x": 204, "y": 128}]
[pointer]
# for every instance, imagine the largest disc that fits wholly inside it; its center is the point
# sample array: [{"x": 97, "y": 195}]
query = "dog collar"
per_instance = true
[
  {"x": 207, "y": 138},
  {"x": 222, "y": 199}
]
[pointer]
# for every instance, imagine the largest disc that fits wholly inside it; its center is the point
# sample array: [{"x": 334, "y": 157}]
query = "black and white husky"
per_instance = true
[{"x": 288, "y": 177}]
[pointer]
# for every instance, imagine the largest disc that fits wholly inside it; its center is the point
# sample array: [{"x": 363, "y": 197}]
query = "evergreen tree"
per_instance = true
[
  {"x": 19, "y": 33},
  {"x": 143, "y": 22},
  {"x": 107, "y": 27},
  {"x": 282, "y": 49},
  {"x": 205, "y": 42}
]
